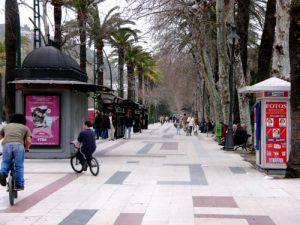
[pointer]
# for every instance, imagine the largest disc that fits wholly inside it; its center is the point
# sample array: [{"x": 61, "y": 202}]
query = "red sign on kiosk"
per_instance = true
[{"x": 276, "y": 132}]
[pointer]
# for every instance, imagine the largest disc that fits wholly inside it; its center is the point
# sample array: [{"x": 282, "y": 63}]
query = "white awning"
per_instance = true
[{"x": 271, "y": 84}]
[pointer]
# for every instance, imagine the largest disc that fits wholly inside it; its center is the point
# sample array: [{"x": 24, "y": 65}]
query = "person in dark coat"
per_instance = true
[
  {"x": 98, "y": 124},
  {"x": 128, "y": 125},
  {"x": 240, "y": 136},
  {"x": 105, "y": 126}
]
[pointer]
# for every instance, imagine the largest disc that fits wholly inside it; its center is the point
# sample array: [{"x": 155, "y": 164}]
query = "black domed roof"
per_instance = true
[{"x": 49, "y": 63}]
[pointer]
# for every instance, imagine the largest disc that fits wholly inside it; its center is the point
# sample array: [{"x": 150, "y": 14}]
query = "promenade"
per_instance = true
[{"x": 155, "y": 178}]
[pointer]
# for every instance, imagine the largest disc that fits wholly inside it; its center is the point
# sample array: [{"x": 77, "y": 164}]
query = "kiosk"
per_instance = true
[
  {"x": 52, "y": 92},
  {"x": 272, "y": 130}
]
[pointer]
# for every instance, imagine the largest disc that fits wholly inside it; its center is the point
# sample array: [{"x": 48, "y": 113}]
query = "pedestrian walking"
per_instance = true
[
  {"x": 111, "y": 127},
  {"x": 128, "y": 125}
]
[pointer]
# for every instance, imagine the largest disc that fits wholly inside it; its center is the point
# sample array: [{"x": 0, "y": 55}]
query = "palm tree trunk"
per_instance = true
[
  {"x": 82, "y": 34},
  {"x": 140, "y": 87},
  {"x": 130, "y": 78},
  {"x": 293, "y": 166},
  {"x": 121, "y": 73},
  {"x": 266, "y": 44},
  {"x": 57, "y": 21},
  {"x": 100, "y": 58},
  {"x": 11, "y": 23}
]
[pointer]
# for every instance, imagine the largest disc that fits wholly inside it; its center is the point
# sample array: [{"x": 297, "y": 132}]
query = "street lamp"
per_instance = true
[{"x": 232, "y": 38}]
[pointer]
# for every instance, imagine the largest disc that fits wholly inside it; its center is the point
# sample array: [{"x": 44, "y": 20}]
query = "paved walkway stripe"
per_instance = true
[
  {"x": 79, "y": 217},
  {"x": 169, "y": 146},
  {"x": 129, "y": 219},
  {"x": 145, "y": 149},
  {"x": 251, "y": 219},
  {"x": 118, "y": 177},
  {"x": 196, "y": 174},
  {"x": 237, "y": 170},
  {"x": 108, "y": 149},
  {"x": 214, "y": 201},
  {"x": 132, "y": 162},
  {"x": 40, "y": 195},
  {"x": 168, "y": 136}
]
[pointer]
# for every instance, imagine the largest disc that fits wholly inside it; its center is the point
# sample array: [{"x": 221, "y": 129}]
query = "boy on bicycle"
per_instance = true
[
  {"x": 87, "y": 139},
  {"x": 14, "y": 135}
]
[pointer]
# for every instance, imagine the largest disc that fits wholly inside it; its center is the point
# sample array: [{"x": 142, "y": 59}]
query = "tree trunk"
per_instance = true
[
  {"x": 243, "y": 100},
  {"x": 130, "y": 79},
  {"x": 140, "y": 87},
  {"x": 223, "y": 60},
  {"x": 266, "y": 44},
  {"x": 11, "y": 24},
  {"x": 293, "y": 166},
  {"x": 121, "y": 72},
  {"x": 100, "y": 58},
  {"x": 281, "y": 60},
  {"x": 82, "y": 35},
  {"x": 242, "y": 30},
  {"x": 57, "y": 21},
  {"x": 211, "y": 87}
]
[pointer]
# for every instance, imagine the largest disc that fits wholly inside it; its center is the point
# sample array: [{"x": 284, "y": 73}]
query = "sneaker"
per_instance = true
[
  {"x": 19, "y": 187},
  {"x": 2, "y": 179}
]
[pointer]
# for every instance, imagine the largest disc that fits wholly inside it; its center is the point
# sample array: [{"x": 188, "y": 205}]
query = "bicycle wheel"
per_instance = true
[
  {"x": 10, "y": 187},
  {"x": 75, "y": 164},
  {"x": 94, "y": 166}
]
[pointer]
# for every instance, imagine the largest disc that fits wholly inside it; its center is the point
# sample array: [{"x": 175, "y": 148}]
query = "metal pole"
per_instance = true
[{"x": 229, "y": 144}]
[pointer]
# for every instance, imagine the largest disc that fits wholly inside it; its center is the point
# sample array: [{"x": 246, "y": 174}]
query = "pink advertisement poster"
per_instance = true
[{"x": 42, "y": 115}]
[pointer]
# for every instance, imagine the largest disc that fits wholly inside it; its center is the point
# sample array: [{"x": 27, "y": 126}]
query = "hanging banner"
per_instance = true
[
  {"x": 42, "y": 115},
  {"x": 276, "y": 132}
]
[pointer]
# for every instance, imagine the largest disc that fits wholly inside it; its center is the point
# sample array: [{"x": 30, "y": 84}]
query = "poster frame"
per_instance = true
[{"x": 59, "y": 119}]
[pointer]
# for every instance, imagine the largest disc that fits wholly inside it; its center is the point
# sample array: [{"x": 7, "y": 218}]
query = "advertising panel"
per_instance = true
[
  {"x": 276, "y": 132},
  {"x": 43, "y": 119}
]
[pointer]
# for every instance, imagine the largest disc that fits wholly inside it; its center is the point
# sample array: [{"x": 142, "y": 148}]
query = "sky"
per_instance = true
[{"x": 104, "y": 7}]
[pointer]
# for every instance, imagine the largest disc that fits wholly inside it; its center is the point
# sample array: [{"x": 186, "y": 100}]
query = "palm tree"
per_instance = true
[
  {"x": 81, "y": 7},
  {"x": 146, "y": 68},
  {"x": 100, "y": 31},
  {"x": 293, "y": 166},
  {"x": 131, "y": 59},
  {"x": 121, "y": 39},
  {"x": 11, "y": 22}
]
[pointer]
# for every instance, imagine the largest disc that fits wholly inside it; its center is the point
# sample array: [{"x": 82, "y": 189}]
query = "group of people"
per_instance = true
[
  {"x": 189, "y": 124},
  {"x": 239, "y": 132},
  {"x": 105, "y": 125}
]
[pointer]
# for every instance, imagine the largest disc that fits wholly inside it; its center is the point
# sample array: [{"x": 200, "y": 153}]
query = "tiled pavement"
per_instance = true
[{"x": 156, "y": 178}]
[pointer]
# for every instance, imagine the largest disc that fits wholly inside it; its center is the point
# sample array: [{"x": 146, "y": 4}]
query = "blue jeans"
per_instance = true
[
  {"x": 127, "y": 132},
  {"x": 16, "y": 151}
]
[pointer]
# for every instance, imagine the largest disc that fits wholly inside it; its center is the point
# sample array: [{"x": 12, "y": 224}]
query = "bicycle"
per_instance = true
[
  {"x": 11, "y": 183},
  {"x": 78, "y": 167}
]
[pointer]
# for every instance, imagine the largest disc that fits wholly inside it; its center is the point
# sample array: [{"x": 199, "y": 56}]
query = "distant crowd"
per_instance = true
[{"x": 190, "y": 124}]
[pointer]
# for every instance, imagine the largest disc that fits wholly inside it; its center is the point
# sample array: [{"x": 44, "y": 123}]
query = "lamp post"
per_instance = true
[{"x": 232, "y": 37}]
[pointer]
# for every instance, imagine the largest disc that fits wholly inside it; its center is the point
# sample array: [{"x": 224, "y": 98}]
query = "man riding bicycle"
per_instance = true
[
  {"x": 87, "y": 139},
  {"x": 15, "y": 134}
]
